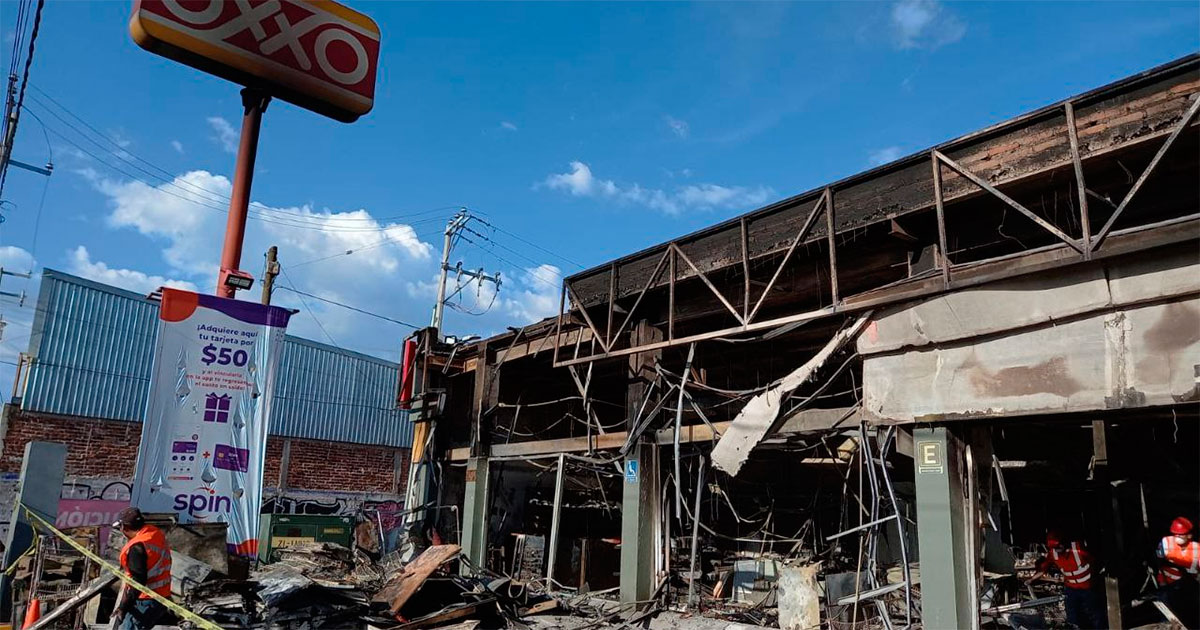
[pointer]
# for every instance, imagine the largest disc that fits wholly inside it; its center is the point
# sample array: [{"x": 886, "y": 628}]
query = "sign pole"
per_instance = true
[{"x": 254, "y": 103}]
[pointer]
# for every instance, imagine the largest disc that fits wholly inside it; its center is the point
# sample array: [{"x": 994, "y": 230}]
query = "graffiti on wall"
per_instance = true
[
  {"x": 90, "y": 501},
  {"x": 107, "y": 491},
  {"x": 383, "y": 515}
]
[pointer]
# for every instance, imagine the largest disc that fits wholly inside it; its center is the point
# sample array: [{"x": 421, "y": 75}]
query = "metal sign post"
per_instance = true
[
  {"x": 254, "y": 103},
  {"x": 318, "y": 55}
]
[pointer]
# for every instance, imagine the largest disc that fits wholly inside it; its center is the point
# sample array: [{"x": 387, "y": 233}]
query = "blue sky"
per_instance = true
[{"x": 590, "y": 129}]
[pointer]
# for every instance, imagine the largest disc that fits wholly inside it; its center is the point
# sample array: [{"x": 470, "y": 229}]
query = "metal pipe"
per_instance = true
[
  {"x": 972, "y": 532},
  {"x": 552, "y": 556},
  {"x": 693, "y": 578},
  {"x": 254, "y": 103},
  {"x": 687, "y": 368},
  {"x": 860, "y": 527},
  {"x": 864, "y": 441},
  {"x": 889, "y": 437}
]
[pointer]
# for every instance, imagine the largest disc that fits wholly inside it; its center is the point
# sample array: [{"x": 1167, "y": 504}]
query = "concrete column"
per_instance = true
[
  {"x": 639, "y": 520},
  {"x": 947, "y": 560},
  {"x": 39, "y": 489},
  {"x": 475, "y": 512}
]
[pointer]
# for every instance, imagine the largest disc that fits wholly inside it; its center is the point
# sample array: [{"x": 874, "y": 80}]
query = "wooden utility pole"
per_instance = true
[{"x": 269, "y": 272}]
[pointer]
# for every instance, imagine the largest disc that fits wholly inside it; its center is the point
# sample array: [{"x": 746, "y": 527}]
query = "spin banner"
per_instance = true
[{"x": 205, "y": 432}]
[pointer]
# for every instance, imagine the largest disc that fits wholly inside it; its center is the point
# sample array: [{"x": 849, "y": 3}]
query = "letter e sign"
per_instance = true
[{"x": 930, "y": 458}]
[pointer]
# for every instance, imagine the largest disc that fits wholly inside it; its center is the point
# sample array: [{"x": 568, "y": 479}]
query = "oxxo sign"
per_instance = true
[{"x": 316, "y": 54}]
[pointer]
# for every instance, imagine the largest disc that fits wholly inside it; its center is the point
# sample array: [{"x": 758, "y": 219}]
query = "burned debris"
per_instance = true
[
  {"x": 956, "y": 391},
  {"x": 863, "y": 406}
]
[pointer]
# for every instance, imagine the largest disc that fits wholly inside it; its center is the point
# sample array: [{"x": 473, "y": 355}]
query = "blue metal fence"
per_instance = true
[{"x": 93, "y": 345}]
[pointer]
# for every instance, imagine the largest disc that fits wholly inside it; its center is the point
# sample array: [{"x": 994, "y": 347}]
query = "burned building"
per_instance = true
[{"x": 893, "y": 385}]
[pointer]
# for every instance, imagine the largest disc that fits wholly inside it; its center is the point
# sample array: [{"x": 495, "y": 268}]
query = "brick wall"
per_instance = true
[
  {"x": 105, "y": 448},
  {"x": 343, "y": 467}
]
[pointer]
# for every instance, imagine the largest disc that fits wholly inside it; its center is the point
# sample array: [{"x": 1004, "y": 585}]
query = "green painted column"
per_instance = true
[
  {"x": 639, "y": 515},
  {"x": 942, "y": 534},
  {"x": 475, "y": 512}
]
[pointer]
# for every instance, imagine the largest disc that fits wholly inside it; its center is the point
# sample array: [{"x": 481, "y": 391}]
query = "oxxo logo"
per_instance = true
[
  {"x": 273, "y": 30},
  {"x": 317, "y": 54},
  {"x": 202, "y": 504}
]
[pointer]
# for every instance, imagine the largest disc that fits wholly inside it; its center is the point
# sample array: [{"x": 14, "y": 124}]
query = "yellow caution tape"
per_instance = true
[
  {"x": 13, "y": 567},
  {"x": 117, "y": 571}
]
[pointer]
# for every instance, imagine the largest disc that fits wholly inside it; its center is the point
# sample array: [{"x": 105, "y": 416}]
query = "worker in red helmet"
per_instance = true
[
  {"x": 1178, "y": 568},
  {"x": 1072, "y": 560}
]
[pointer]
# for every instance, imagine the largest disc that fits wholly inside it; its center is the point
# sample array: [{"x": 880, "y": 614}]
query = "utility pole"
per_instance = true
[
  {"x": 269, "y": 272},
  {"x": 456, "y": 223},
  {"x": 20, "y": 296}
]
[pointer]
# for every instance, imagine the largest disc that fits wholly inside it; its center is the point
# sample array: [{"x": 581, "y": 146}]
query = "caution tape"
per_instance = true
[
  {"x": 117, "y": 571},
  {"x": 13, "y": 567}
]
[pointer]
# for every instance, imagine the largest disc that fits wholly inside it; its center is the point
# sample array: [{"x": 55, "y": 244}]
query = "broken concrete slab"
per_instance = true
[
  {"x": 799, "y": 597},
  {"x": 757, "y": 418}
]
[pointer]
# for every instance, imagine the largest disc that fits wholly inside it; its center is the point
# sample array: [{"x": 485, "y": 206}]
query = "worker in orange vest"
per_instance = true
[
  {"x": 1179, "y": 565},
  {"x": 1084, "y": 608},
  {"x": 147, "y": 559}
]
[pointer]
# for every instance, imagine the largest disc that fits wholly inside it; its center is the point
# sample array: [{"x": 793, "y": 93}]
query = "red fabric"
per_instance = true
[
  {"x": 158, "y": 560},
  {"x": 1075, "y": 564}
]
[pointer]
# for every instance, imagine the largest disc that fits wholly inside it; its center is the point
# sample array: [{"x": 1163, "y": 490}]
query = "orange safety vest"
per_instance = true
[
  {"x": 1178, "y": 559},
  {"x": 1076, "y": 566},
  {"x": 158, "y": 560}
]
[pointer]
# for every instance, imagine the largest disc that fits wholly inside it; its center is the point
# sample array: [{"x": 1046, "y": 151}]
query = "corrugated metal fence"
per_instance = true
[{"x": 93, "y": 345}]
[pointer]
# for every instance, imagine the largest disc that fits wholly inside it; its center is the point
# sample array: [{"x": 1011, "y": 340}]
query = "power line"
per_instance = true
[
  {"x": 201, "y": 202},
  {"x": 529, "y": 243},
  {"x": 168, "y": 177},
  {"x": 291, "y": 286},
  {"x": 205, "y": 198},
  {"x": 15, "y": 113},
  {"x": 357, "y": 310},
  {"x": 513, "y": 265}
]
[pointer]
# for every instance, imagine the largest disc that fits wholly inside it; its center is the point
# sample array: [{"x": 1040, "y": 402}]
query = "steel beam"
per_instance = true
[
  {"x": 1036, "y": 260},
  {"x": 555, "y": 520},
  {"x": 1108, "y": 509},
  {"x": 980, "y": 182},
  {"x": 800, "y": 235},
  {"x": 1085, "y": 220},
  {"x": 708, "y": 283},
  {"x": 831, "y": 235},
  {"x": 1137, "y": 185}
]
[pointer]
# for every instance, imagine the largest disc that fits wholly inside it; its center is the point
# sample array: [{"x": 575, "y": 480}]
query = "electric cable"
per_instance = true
[
  {"x": 293, "y": 289},
  {"x": 264, "y": 214},
  {"x": 168, "y": 177},
  {"x": 529, "y": 243},
  {"x": 16, "y": 113}
]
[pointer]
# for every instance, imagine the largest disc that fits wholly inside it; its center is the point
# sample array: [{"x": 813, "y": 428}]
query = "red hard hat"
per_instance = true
[
  {"x": 1053, "y": 538},
  {"x": 1181, "y": 526}
]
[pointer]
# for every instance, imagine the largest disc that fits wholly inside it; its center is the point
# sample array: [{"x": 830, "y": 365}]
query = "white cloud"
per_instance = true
[
  {"x": 581, "y": 182},
  {"x": 226, "y": 135},
  {"x": 884, "y": 155},
  {"x": 16, "y": 259},
  {"x": 80, "y": 263},
  {"x": 178, "y": 146},
  {"x": 184, "y": 221},
  {"x": 504, "y": 124},
  {"x": 17, "y": 316},
  {"x": 537, "y": 295},
  {"x": 925, "y": 24},
  {"x": 678, "y": 127}
]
